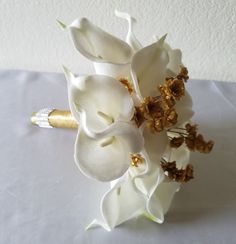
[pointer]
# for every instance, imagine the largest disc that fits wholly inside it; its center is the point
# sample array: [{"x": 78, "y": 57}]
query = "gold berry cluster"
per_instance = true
[
  {"x": 175, "y": 174},
  {"x": 193, "y": 140},
  {"x": 136, "y": 159},
  {"x": 159, "y": 112}
]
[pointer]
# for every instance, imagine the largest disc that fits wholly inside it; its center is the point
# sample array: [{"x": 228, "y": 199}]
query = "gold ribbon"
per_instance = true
[{"x": 58, "y": 119}]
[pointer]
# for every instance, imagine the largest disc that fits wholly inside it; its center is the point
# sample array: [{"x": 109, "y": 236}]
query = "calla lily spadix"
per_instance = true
[{"x": 110, "y": 146}]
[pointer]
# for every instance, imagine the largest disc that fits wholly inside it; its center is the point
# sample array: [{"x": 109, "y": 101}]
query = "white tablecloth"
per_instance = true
[{"x": 45, "y": 199}]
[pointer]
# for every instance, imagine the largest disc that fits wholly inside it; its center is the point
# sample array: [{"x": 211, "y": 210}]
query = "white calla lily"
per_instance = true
[
  {"x": 159, "y": 203},
  {"x": 130, "y": 38},
  {"x": 175, "y": 59},
  {"x": 158, "y": 190},
  {"x": 105, "y": 156},
  {"x": 148, "y": 68},
  {"x": 102, "y": 98},
  {"x": 105, "y": 159},
  {"x": 121, "y": 203},
  {"x": 109, "y": 54}
]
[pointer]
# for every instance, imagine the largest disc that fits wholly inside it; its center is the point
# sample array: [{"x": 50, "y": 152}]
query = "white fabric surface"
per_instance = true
[{"x": 45, "y": 199}]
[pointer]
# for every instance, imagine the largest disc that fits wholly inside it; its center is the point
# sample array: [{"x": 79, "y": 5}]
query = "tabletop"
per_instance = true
[{"x": 45, "y": 199}]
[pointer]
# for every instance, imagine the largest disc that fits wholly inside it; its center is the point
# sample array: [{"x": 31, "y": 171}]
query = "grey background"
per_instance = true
[{"x": 45, "y": 199}]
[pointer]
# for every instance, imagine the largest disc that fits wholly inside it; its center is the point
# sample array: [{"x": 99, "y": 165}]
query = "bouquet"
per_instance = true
[{"x": 134, "y": 122}]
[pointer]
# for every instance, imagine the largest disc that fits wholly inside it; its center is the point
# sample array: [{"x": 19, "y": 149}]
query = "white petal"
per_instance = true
[
  {"x": 100, "y": 47},
  {"x": 98, "y": 223},
  {"x": 184, "y": 115},
  {"x": 181, "y": 155},
  {"x": 70, "y": 77},
  {"x": 174, "y": 65},
  {"x": 104, "y": 100},
  {"x": 175, "y": 59},
  {"x": 114, "y": 70},
  {"x": 101, "y": 162},
  {"x": 148, "y": 69},
  {"x": 184, "y": 109},
  {"x": 185, "y": 101},
  {"x": 159, "y": 203},
  {"x": 122, "y": 203},
  {"x": 155, "y": 144},
  {"x": 160, "y": 200},
  {"x": 130, "y": 38},
  {"x": 107, "y": 156}
]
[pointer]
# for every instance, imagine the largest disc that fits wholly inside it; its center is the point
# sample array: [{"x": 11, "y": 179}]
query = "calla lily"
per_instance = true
[
  {"x": 148, "y": 68},
  {"x": 107, "y": 135},
  {"x": 122, "y": 202},
  {"x": 159, "y": 203},
  {"x": 103, "y": 99},
  {"x": 130, "y": 38},
  {"x": 160, "y": 198},
  {"x": 109, "y": 54}
]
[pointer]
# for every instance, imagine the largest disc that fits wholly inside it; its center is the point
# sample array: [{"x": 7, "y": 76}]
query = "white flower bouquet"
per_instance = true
[{"x": 134, "y": 122}]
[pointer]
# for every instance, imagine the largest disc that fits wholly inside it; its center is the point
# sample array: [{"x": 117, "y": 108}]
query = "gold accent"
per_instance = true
[
  {"x": 62, "y": 119},
  {"x": 59, "y": 119},
  {"x": 137, "y": 159},
  {"x": 127, "y": 84}
]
